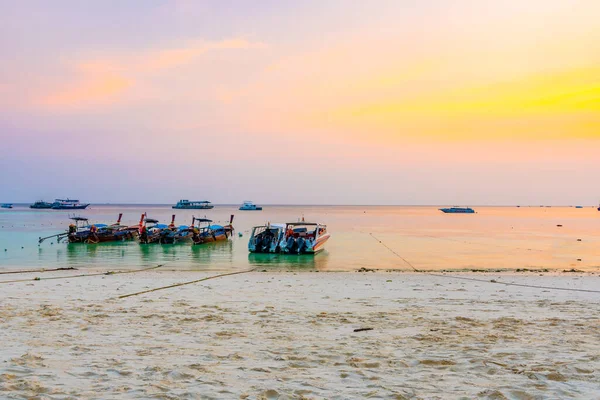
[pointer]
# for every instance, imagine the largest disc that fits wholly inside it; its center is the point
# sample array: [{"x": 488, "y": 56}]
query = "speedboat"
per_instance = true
[
  {"x": 250, "y": 206},
  {"x": 206, "y": 232},
  {"x": 193, "y": 205},
  {"x": 6, "y": 205},
  {"x": 458, "y": 210},
  {"x": 289, "y": 238},
  {"x": 68, "y": 204}
]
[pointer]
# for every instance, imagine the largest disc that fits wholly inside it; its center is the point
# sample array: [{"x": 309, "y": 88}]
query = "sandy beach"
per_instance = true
[{"x": 280, "y": 335}]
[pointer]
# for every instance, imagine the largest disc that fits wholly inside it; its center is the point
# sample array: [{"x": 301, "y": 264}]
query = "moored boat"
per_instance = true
[
  {"x": 150, "y": 231},
  {"x": 68, "y": 204},
  {"x": 458, "y": 210},
  {"x": 100, "y": 233},
  {"x": 6, "y": 205},
  {"x": 250, "y": 206},
  {"x": 41, "y": 205},
  {"x": 290, "y": 238},
  {"x": 206, "y": 232},
  {"x": 175, "y": 234},
  {"x": 193, "y": 205}
]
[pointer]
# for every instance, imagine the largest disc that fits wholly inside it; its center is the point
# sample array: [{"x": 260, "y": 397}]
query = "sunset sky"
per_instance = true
[{"x": 291, "y": 102}]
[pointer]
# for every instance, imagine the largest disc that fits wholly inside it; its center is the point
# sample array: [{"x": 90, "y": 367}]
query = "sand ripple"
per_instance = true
[{"x": 291, "y": 336}]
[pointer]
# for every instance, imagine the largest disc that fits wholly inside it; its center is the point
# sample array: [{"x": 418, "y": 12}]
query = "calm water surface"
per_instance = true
[{"x": 493, "y": 238}]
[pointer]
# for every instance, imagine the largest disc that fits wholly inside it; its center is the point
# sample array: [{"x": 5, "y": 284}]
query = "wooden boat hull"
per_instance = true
[
  {"x": 90, "y": 238},
  {"x": 148, "y": 239},
  {"x": 210, "y": 238},
  {"x": 173, "y": 239},
  {"x": 203, "y": 238}
]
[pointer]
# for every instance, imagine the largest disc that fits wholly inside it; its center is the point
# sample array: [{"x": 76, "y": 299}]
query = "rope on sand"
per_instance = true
[
  {"x": 465, "y": 278},
  {"x": 186, "y": 283},
  {"x": 28, "y": 271},
  {"x": 37, "y": 278}
]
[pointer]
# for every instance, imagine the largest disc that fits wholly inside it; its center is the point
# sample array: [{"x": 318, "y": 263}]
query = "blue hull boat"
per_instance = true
[{"x": 458, "y": 210}]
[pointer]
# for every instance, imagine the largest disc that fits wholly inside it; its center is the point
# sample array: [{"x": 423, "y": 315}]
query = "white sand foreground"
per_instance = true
[{"x": 280, "y": 335}]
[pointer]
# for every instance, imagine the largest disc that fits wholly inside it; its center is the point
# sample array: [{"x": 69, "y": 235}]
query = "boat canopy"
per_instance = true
[
  {"x": 78, "y": 218},
  {"x": 215, "y": 227},
  {"x": 274, "y": 225},
  {"x": 203, "y": 220},
  {"x": 303, "y": 223},
  {"x": 151, "y": 220}
]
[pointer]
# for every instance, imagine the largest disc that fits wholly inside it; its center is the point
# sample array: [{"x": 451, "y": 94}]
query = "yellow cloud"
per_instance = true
[{"x": 565, "y": 104}]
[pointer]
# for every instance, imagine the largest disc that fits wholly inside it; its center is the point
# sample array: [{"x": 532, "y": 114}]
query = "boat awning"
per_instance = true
[
  {"x": 151, "y": 220},
  {"x": 274, "y": 225}
]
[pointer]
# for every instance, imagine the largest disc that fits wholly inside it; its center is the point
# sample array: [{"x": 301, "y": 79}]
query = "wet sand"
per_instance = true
[{"x": 268, "y": 335}]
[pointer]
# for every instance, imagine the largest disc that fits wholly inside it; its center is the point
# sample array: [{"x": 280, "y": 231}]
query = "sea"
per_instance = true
[{"x": 372, "y": 237}]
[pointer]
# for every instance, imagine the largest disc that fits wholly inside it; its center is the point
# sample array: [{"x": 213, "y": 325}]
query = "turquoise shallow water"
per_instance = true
[{"x": 493, "y": 238}]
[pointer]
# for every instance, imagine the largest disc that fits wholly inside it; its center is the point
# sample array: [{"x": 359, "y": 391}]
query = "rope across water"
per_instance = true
[{"x": 481, "y": 280}]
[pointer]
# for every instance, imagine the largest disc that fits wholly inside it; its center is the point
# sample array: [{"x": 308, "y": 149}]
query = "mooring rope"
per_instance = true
[
  {"x": 28, "y": 271},
  {"x": 481, "y": 280},
  {"x": 82, "y": 275},
  {"x": 186, "y": 283}
]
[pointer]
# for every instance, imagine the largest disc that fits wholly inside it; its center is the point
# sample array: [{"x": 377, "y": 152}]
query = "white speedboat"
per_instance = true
[
  {"x": 250, "y": 206},
  {"x": 290, "y": 238}
]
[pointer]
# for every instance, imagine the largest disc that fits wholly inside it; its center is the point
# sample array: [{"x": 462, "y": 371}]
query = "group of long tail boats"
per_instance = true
[
  {"x": 148, "y": 231},
  {"x": 290, "y": 238}
]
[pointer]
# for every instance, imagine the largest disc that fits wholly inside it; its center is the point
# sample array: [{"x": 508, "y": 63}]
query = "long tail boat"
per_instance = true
[
  {"x": 150, "y": 231},
  {"x": 175, "y": 234},
  {"x": 207, "y": 233},
  {"x": 99, "y": 233},
  {"x": 80, "y": 231}
]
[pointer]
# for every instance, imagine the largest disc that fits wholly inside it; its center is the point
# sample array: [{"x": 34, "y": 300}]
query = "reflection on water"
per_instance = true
[
  {"x": 122, "y": 254},
  {"x": 221, "y": 251},
  {"x": 289, "y": 261}
]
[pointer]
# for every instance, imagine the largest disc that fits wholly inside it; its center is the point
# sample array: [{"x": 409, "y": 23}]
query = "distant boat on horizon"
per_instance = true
[
  {"x": 457, "y": 210},
  {"x": 193, "y": 205},
  {"x": 7, "y": 205},
  {"x": 250, "y": 206},
  {"x": 68, "y": 204},
  {"x": 41, "y": 205}
]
